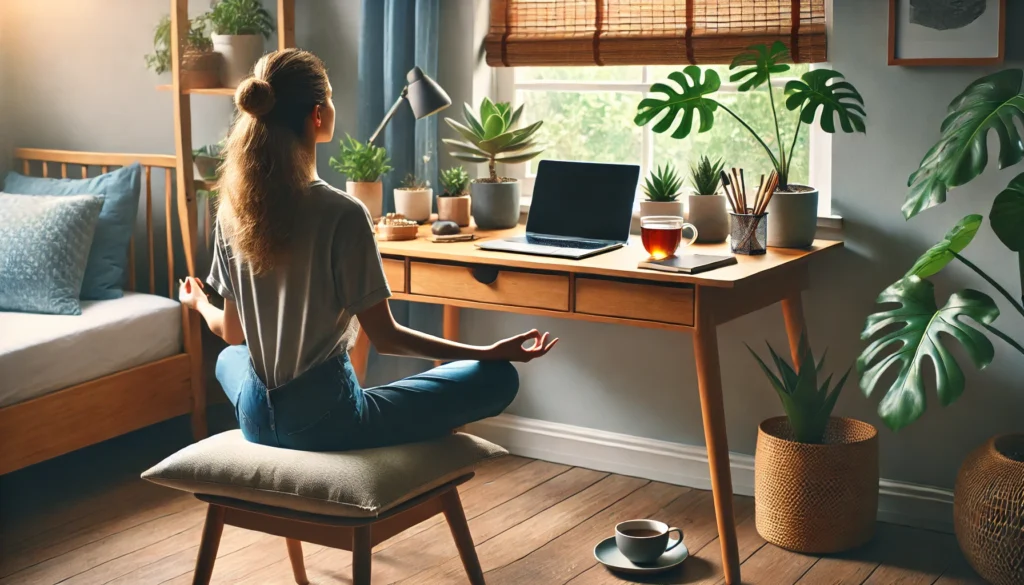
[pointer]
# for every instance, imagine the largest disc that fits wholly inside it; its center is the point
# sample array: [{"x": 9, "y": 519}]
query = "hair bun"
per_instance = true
[{"x": 255, "y": 97}]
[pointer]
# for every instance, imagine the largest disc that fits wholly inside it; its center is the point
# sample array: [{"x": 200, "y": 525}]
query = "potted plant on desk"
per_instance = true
[
  {"x": 662, "y": 190},
  {"x": 200, "y": 67},
  {"x": 454, "y": 204},
  {"x": 239, "y": 27},
  {"x": 707, "y": 207},
  {"x": 491, "y": 139},
  {"x": 363, "y": 165},
  {"x": 414, "y": 199}
]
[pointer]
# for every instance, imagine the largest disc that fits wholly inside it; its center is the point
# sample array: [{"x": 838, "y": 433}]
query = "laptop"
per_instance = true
[{"x": 579, "y": 210}]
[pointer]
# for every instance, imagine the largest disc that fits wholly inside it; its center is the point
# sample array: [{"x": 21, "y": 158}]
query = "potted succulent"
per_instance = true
[
  {"x": 414, "y": 198},
  {"x": 793, "y": 208},
  {"x": 662, "y": 190},
  {"x": 200, "y": 67},
  {"x": 913, "y": 337},
  {"x": 815, "y": 475},
  {"x": 239, "y": 28},
  {"x": 454, "y": 203},
  {"x": 707, "y": 210},
  {"x": 491, "y": 139},
  {"x": 363, "y": 165}
]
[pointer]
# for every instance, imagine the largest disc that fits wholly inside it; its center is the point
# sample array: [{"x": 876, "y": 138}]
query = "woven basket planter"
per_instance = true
[
  {"x": 816, "y": 498},
  {"x": 988, "y": 509}
]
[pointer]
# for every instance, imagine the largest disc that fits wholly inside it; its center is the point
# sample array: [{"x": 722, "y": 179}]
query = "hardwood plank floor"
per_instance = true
[{"x": 533, "y": 522}]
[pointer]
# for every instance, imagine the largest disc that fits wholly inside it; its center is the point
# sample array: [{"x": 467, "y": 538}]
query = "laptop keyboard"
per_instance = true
[{"x": 558, "y": 243}]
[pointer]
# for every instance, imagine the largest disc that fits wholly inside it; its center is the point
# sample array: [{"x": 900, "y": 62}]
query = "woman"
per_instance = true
[{"x": 297, "y": 265}]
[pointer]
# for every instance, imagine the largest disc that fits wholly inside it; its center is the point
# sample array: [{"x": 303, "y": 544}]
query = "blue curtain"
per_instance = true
[{"x": 395, "y": 36}]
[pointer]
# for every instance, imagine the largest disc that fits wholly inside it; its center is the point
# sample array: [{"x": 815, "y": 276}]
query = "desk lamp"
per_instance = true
[{"x": 424, "y": 95}]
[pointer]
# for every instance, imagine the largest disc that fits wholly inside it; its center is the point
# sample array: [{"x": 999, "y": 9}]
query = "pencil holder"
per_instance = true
[{"x": 749, "y": 233}]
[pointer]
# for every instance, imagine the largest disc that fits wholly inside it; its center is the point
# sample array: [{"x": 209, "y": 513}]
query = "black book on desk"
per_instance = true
[{"x": 688, "y": 263}]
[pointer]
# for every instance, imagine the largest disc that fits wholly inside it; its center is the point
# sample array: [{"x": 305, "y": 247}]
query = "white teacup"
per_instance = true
[{"x": 643, "y": 541}]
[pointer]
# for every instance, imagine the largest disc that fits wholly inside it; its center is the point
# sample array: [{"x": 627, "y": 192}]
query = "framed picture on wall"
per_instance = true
[{"x": 946, "y": 32}]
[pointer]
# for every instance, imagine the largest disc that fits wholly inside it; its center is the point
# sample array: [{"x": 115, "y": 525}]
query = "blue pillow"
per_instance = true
[
  {"x": 108, "y": 258},
  {"x": 44, "y": 247}
]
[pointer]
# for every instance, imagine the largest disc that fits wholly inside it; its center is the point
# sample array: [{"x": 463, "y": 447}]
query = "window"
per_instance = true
[{"x": 588, "y": 115}]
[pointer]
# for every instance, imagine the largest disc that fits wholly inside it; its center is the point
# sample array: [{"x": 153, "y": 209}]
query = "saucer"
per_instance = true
[{"x": 608, "y": 555}]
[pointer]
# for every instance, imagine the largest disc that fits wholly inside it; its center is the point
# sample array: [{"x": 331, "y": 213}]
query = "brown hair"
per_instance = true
[{"x": 266, "y": 167}]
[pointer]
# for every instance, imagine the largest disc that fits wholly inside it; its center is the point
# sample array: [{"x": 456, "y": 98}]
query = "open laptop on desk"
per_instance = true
[{"x": 579, "y": 210}]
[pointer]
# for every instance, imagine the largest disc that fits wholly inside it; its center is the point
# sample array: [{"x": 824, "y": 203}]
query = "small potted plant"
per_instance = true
[
  {"x": 414, "y": 198},
  {"x": 239, "y": 28},
  {"x": 363, "y": 165},
  {"x": 491, "y": 139},
  {"x": 454, "y": 204},
  {"x": 200, "y": 66},
  {"x": 662, "y": 190},
  {"x": 815, "y": 475},
  {"x": 707, "y": 209},
  {"x": 208, "y": 159}
]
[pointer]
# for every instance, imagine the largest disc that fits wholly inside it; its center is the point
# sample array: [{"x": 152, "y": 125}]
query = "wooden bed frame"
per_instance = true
[{"x": 100, "y": 409}]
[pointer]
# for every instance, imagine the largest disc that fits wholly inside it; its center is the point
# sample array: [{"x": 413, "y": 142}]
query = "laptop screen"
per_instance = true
[{"x": 583, "y": 200}]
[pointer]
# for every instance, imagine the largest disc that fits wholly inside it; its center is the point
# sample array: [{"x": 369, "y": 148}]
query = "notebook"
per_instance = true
[{"x": 688, "y": 263}]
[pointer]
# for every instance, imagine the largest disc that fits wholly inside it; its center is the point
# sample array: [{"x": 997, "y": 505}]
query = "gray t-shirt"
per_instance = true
[{"x": 300, "y": 313}]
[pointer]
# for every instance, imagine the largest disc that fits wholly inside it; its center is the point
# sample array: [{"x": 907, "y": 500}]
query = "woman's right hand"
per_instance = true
[{"x": 512, "y": 349}]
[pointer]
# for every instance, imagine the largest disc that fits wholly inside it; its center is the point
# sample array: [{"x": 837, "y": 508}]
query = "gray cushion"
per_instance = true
[{"x": 351, "y": 484}]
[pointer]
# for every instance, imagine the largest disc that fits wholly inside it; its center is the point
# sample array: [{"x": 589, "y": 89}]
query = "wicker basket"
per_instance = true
[
  {"x": 988, "y": 509},
  {"x": 816, "y": 498}
]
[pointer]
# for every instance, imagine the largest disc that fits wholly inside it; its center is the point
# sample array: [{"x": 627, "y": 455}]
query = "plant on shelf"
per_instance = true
[
  {"x": 208, "y": 159},
  {"x": 239, "y": 29},
  {"x": 707, "y": 208},
  {"x": 822, "y": 89},
  {"x": 491, "y": 138},
  {"x": 198, "y": 56},
  {"x": 661, "y": 187},
  {"x": 797, "y": 506},
  {"x": 414, "y": 198},
  {"x": 363, "y": 165},
  {"x": 454, "y": 203}
]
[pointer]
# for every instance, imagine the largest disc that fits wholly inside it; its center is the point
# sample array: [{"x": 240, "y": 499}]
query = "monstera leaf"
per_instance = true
[
  {"x": 941, "y": 254},
  {"x": 692, "y": 98},
  {"x": 763, "y": 61},
  {"x": 961, "y": 154},
  {"x": 917, "y": 337},
  {"x": 838, "y": 99},
  {"x": 1007, "y": 215}
]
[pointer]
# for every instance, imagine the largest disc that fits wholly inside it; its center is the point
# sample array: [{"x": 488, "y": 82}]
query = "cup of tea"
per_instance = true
[
  {"x": 662, "y": 234},
  {"x": 643, "y": 541}
]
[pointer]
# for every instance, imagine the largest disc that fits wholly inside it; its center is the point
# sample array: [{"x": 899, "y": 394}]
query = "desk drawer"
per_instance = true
[
  {"x": 394, "y": 271},
  {"x": 635, "y": 300},
  {"x": 489, "y": 284}
]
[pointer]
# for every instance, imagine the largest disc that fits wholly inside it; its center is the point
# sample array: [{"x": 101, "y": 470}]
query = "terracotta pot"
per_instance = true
[
  {"x": 649, "y": 208},
  {"x": 988, "y": 509},
  {"x": 200, "y": 70},
  {"x": 371, "y": 195},
  {"x": 819, "y": 498},
  {"x": 414, "y": 204},
  {"x": 455, "y": 209}
]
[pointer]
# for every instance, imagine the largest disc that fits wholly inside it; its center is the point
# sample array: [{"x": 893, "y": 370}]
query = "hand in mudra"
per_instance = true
[{"x": 512, "y": 349}]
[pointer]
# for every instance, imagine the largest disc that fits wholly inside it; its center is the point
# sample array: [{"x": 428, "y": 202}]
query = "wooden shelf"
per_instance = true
[
  {"x": 204, "y": 185},
  {"x": 230, "y": 91}
]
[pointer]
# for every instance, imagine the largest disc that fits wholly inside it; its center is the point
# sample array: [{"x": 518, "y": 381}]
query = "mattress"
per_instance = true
[{"x": 40, "y": 354}]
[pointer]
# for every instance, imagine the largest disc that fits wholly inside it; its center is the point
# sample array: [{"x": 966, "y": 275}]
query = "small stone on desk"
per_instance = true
[{"x": 445, "y": 228}]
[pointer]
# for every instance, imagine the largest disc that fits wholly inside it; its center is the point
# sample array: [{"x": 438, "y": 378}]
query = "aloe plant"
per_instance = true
[
  {"x": 454, "y": 180},
  {"x": 990, "y": 104},
  {"x": 705, "y": 176},
  {"x": 491, "y": 138},
  {"x": 360, "y": 162},
  {"x": 822, "y": 89},
  {"x": 663, "y": 184}
]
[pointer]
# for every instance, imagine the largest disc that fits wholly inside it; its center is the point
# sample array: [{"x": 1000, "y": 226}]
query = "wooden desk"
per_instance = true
[{"x": 609, "y": 288}]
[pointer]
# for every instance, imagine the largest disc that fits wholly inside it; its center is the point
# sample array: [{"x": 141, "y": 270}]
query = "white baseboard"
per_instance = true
[{"x": 899, "y": 502}]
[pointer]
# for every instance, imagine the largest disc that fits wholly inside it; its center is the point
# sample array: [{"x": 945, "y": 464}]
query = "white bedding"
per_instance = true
[{"x": 43, "y": 353}]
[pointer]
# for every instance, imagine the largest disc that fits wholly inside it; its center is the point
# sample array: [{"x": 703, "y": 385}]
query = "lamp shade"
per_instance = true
[{"x": 425, "y": 96}]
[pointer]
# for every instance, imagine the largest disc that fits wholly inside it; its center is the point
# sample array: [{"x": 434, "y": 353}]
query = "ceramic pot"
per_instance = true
[
  {"x": 455, "y": 209},
  {"x": 708, "y": 214},
  {"x": 414, "y": 204},
  {"x": 988, "y": 509},
  {"x": 648, "y": 208},
  {"x": 816, "y": 498},
  {"x": 794, "y": 219},
  {"x": 495, "y": 205},
  {"x": 371, "y": 195},
  {"x": 238, "y": 55},
  {"x": 200, "y": 70}
]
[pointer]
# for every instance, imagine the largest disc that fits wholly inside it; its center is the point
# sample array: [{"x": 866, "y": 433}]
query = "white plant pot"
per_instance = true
[
  {"x": 238, "y": 53},
  {"x": 792, "y": 219},
  {"x": 648, "y": 208},
  {"x": 708, "y": 214},
  {"x": 414, "y": 204},
  {"x": 371, "y": 195}
]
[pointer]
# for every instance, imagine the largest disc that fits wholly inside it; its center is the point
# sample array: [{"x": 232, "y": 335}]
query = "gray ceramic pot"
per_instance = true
[
  {"x": 793, "y": 219},
  {"x": 708, "y": 214},
  {"x": 495, "y": 205}
]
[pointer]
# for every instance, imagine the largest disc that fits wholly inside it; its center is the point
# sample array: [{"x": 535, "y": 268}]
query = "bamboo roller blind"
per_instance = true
[{"x": 649, "y": 32}]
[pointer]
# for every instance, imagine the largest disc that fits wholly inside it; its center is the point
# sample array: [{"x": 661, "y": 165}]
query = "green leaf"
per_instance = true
[
  {"x": 488, "y": 109},
  {"x": 765, "y": 62},
  {"x": 1007, "y": 215},
  {"x": 692, "y": 98},
  {"x": 466, "y": 132},
  {"x": 471, "y": 120},
  {"x": 961, "y": 154},
  {"x": 515, "y": 116},
  {"x": 822, "y": 88},
  {"x": 941, "y": 254},
  {"x": 469, "y": 157},
  {"x": 905, "y": 336},
  {"x": 518, "y": 158},
  {"x": 493, "y": 126},
  {"x": 505, "y": 110},
  {"x": 464, "y": 147}
]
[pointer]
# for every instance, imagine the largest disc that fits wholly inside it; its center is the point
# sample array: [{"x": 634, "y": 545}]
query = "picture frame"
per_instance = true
[{"x": 980, "y": 40}]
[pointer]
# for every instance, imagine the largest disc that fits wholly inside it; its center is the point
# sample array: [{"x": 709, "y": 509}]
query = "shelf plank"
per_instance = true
[{"x": 230, "y": 91}]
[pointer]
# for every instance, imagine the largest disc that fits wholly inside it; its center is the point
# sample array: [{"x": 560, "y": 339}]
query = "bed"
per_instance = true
[{"x": 67, "y": 382}]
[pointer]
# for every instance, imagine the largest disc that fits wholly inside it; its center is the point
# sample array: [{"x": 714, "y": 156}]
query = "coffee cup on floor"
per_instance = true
[{"x": 643, "y": 541}]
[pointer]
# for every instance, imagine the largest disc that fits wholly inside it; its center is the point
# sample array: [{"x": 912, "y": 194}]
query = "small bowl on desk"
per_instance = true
[{"x": 395, "y": 227}]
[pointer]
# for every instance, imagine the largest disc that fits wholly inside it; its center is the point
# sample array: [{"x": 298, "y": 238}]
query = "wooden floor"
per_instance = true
[{"x": 534, "y": 522}]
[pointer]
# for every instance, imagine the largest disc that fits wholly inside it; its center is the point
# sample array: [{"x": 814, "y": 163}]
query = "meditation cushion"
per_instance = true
[{"x": 350, "y": 484}]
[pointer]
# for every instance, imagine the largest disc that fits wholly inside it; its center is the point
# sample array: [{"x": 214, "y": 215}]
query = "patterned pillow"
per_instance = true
[{"x": 44, "y": 247}]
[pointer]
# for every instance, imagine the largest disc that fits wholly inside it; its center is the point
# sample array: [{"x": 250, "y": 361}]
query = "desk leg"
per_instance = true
[
  {"x": 450, "y": 327},
  {"x": 359, "y": 355},
  {"x": 796, "y": 328},
  {"x": 709, "y": 383}
]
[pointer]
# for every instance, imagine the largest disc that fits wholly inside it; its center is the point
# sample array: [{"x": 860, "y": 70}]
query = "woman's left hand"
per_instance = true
[{"x": 190, "y": 293}]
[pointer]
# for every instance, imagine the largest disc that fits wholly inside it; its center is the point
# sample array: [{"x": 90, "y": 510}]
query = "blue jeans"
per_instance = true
[{"x": 325, "y": 409}]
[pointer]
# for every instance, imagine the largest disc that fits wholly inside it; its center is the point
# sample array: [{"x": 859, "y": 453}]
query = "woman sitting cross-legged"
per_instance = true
[{"x": 297, "y": 265}]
